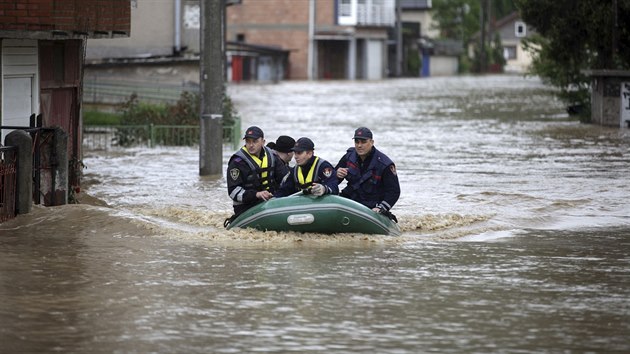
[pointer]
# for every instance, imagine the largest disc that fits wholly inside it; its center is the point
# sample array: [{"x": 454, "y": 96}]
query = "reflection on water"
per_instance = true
[{"x": 515, "y": 220}]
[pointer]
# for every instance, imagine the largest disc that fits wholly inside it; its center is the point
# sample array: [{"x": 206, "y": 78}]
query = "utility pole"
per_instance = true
[
  {"x": 615, "y": 35},
  {"x": 211, "y": 74}
]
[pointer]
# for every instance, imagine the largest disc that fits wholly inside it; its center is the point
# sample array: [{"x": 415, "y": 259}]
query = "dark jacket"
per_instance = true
[
  {"x": 245, "y": 177},
  {"x": 322, "y": 173},
  {"x": 373, "y": 182}
]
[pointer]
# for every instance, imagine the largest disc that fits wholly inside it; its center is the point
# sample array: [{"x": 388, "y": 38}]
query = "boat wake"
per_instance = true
[{"x": 203, "y": 224}]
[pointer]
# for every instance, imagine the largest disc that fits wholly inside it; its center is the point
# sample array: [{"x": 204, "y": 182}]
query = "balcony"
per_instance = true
[{"x": 380, "y": 13}]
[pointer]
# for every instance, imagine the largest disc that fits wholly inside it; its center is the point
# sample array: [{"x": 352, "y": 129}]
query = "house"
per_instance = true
[
  {"x": 421, "y": 53},
  {"x": 163, "y": 49},
  {"x": 41, "y": 51},
  {"x": 512, "y": 30},
  {"x": 327, "y": 39},
  {"x": 273, "y": 40}
]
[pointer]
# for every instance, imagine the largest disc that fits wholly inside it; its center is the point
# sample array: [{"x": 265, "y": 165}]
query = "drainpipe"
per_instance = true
[
  {"x": 311, "y": 39},
  {"x": 399, "y": 40},
  {"x": 178, "y": 27}
]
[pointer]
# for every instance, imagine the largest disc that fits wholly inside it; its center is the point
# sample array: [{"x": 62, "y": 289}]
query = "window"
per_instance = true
[
  {"x": 509, "y": 52},
  {"x": 347, "y": 12},
  {"x": 520, "y": 29}
]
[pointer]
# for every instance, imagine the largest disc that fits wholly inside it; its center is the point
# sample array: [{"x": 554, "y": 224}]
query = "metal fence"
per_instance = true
[
  {"x": 121, "y": 136},
  {"x": 8, "y": 182}
]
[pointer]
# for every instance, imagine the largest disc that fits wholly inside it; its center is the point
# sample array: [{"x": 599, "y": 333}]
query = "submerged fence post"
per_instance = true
[
  {"x": 24, "y": 176},
  {"x": 151, "y": 135}
]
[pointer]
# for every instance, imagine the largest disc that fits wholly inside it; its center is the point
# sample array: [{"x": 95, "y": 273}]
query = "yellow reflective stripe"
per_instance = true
[
  {"x": 262, "y": 164},
  {"x": 309, "y": 177}
]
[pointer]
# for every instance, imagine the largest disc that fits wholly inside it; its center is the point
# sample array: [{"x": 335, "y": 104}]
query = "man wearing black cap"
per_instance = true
[
  {"x": 312, "y": 175},
  {"x": 283, "y": 147},
  {"x": 254, "y": 172},
  {"x": 371, "y": 175}
]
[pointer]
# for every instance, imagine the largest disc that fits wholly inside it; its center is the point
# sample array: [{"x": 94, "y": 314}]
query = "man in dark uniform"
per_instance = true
[
  {"x": 311, "y": 175},
  {"x": 371, "y": 175},
  {"x": 254, "y": 172}
]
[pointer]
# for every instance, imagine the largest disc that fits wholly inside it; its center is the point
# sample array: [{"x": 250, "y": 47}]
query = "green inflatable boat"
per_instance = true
[{"x": 328, "y": 214}]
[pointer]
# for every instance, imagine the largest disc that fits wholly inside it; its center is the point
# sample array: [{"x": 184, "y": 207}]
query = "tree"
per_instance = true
[
  {"x": 574, "y": 36},
  {"x": 460, "y": 20}
]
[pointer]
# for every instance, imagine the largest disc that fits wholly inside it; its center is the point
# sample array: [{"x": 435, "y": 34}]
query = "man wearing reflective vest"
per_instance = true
[
  {"x": 371, "y": 175},
  {"x": 254, "y": 172},
  {"x": 311, "y": 175}
]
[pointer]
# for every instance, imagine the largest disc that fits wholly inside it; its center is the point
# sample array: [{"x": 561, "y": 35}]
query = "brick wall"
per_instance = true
[
  {"x": 66, "y": 15},
  {"x": 281, "y": 23}
]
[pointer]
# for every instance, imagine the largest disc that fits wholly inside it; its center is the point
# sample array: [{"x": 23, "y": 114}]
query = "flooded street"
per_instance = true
[{"x": 515, "y": 220}]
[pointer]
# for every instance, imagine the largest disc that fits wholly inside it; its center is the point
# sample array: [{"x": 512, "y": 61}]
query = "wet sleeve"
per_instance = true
[
  {"x": 287, "y": 187},
  {"x": 342, "y": 163},
  {"x": 391, "y": 187}
]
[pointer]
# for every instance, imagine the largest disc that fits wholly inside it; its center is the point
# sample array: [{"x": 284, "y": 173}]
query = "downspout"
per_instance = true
[
  {"x": 178, "y": 27},
  {"x": 399, "y": 40},
  {"x": 311, "y": 39}
]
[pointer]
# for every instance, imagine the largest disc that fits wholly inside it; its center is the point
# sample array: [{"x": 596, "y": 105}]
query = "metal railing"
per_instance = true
[{"x": 107, "y": 137}]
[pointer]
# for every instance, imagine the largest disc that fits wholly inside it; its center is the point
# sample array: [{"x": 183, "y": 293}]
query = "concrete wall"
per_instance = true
[
  {"x": 607, "y": 103},
  {"x": 426, "y": 22},
  {"x": 443, "y": 65},
  {"x": 152, "y": 33}
]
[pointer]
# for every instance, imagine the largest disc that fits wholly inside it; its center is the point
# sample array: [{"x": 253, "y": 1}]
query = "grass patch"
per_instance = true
[{"x": 101, "y": 118}]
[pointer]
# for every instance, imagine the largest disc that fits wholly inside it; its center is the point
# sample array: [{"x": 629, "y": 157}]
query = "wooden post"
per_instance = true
[{"x": 24, "y": 173}]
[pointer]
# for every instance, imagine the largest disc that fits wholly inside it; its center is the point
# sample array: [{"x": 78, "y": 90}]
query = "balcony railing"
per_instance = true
[{"x": 366, "y": 12}]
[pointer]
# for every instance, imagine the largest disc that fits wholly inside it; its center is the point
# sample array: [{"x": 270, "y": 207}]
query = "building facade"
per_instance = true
[
  {"x": 272, "y": 40},
  {"x": 512, "y": 31},
  {"x": 42, "y": 47},
  {"x": 327, "y": 39}
]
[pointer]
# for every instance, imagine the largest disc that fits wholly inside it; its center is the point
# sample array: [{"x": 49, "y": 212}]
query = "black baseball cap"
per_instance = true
[
  {"x": 284, "y": 144},
  {"x": 362, "y": 133},
  {"x": 304, "y": 144},
  {"x": 254, "y": 132}
]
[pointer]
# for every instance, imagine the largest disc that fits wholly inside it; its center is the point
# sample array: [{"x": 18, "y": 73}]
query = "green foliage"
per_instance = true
[
  {"x": 413, "y": 63},
  {"x": 135, "y": 112},
  {"x": 465, "y": 64},
  {"x": 496, "y": 52},
  {"x": 185, "y": 112},
  {"x": 101, "y": 118},
  {"x": 457, "y": 19},
  {"x": 460, "y": 20},
  {"x": 575, "y": 36},
  {"x": 230, "y": 114}
]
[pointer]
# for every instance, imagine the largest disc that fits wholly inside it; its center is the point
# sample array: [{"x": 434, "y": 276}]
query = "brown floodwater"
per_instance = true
[{"x": 515, "y": 219}]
